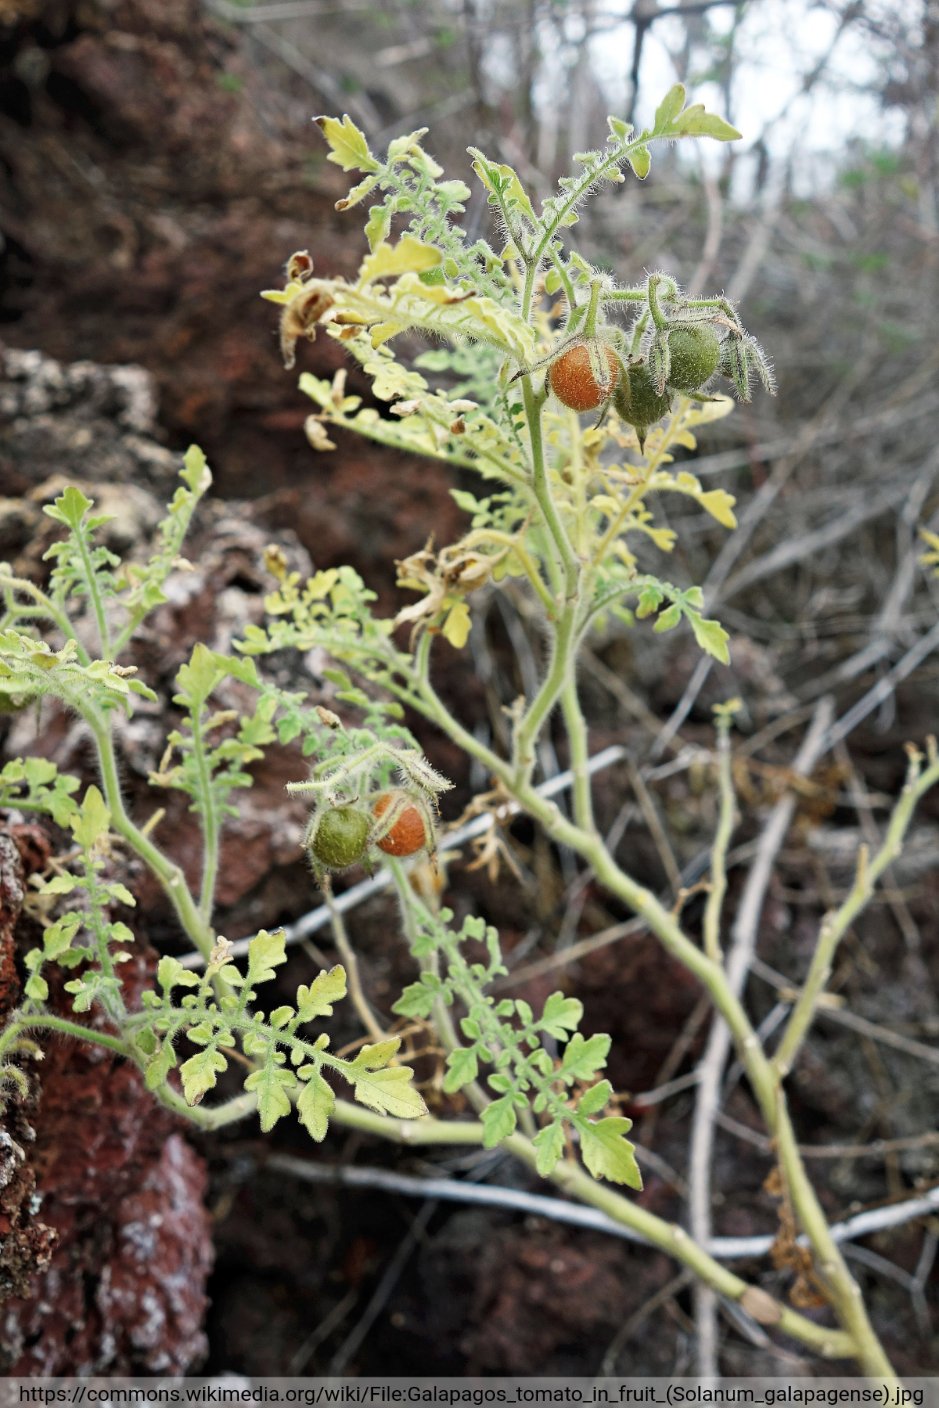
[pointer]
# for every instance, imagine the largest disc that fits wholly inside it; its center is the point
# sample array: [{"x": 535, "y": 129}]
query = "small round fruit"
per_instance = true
[
  {"x": 636, "y": 400},
  {"x": 695, "y": 353},
  {"x": 583, "y": 383},
  {"x": 340, "y": 837},
  {"x": 408, "y": 829}
]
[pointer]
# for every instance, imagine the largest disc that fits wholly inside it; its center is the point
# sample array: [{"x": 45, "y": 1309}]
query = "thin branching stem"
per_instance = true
[
  {"x": 836, "y": 924},
  {"x": 725, "y": 825}
]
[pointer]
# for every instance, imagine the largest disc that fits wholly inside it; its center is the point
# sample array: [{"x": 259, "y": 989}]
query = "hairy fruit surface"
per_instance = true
[
  {"x": 340, "y": 838},
  {"x": 583, "y": 376},
  {"x": 408, "y": 829},
  {"x": 695, "y": 353},
  {"x": 636, "y": 400}
]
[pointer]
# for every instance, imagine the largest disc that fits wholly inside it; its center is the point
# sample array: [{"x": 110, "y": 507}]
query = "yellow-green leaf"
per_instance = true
[
  {"x": 391, "y": 1092},
  {"x": 456, "y": 627},
  {"x": 549, "y": 1143},
  {"x": 315, "y": 1104},
  {"x": 265, "y": 953},
  {"x": 711, "y": 637},
  {"x": 408, "y": 256},
  {"x": 92, "y": 822},
  {"x": 607, "y": 1154},
  {"x": 640, "y": 161},
  {"x": 720, "y": 505},
  {"x": 669, "y": 108},
  {"x": 199, "y": 1073},
  {"x": 348, "y": 147},
  {"x": 695, "y": 122},
  {"x": 317, "y": 999},
  {"x": 376, "y": 1056}
]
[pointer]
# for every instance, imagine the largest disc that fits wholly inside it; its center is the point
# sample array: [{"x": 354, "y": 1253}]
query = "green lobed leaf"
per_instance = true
[
  {"x": 69, "y": 508},
  {"x": 641, "y": 162},
  {"x": 650, "y": 599},
  {"x": 499, "y": 1120},
  {"x": 91, "y": 824},
  {"x": 57, "y": 938},
  {"x": 607, "y": 1153},
  {"x": 583, "y": 1056},
  {"x": 561, "y": 1016},
  {"x": 160, "y": 1066},
  {"x": 503, "y": 185},
  {"x": 593, "y": 1100},
  {"x": 695, "y": 122},
  {"x": 316, "y": 1000},
  {"x": 200, "y": 1073},
  {"x": 377, "y": 1055},
  {"x": 390, "y": 1091},
  {"x": 669, "y": 619},
  {"x": 391, "y": 260},
  {"x": 417, "y": 1000},
  {"x": 711, "y": 637},
  {"x": 271, "y": 1084},
  {"x": 315, "y": 1103},
  {"x": 171, "y": 974},
  {"x": 36, "y": 987},
  {"x": 265, "y": 953},
  {"x": 669, "y": 108},
  {"x": 462, "y": 1067},
  {"x": 347, "y": 145},
  {"x": 549, "y": 1143},
  {"x": 59, "y": 885}
]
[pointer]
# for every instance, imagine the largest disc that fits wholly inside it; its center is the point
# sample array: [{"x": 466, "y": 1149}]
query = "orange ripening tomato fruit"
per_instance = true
[
  {"x": 408, "y": 831},
  {"x": 583, "y": 382}
]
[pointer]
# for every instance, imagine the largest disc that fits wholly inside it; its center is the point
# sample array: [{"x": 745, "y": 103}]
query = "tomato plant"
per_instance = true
[{"x": 568, "y": 525}]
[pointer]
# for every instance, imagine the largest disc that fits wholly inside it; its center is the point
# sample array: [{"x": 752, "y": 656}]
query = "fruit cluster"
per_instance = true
[
  {"x": 676, "y": 346},
  {"x": 588, "y": 374},
  {"x": 399, "y": 822}
]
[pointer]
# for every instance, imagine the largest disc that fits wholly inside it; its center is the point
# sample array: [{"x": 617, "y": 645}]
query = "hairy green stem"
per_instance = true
[
  {"x": 575, "y": 726},
  {"x": 20, "y": 1023},
  {"x": 170, "y": 876},
  {"x": 210, "y": 822},
  {"x": 559, "y": 675},
  {"x": 91, "y": 582},
  {"x": 562, "y": 549}
]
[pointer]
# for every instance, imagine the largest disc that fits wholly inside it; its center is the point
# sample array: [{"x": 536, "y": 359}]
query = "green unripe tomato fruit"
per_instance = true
[
  {"x": 583, "y": 376},
  {"x": 636, "y": 400},
  {"x": 340, "y": 838},
  {"x": 695, "y": 353}
]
